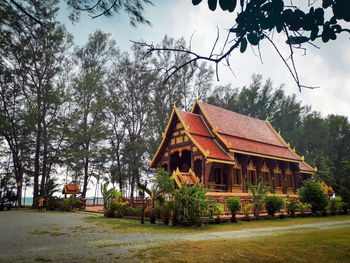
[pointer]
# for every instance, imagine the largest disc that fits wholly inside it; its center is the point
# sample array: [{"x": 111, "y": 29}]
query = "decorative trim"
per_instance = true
[
  {"x": 264, "y": 156},
  {"x": 211, "y": 160}
]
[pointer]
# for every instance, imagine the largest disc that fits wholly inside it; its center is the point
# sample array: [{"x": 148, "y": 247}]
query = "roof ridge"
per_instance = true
[
  {"x": 189, "y": 113},
  {"x": 264, "y": 121}
]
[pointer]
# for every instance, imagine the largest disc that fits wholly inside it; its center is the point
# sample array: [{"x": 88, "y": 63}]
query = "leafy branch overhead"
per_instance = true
[{"x": 258, "y": 20}]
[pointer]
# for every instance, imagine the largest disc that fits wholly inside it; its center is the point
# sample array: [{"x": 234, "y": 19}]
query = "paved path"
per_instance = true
[{"x": 63, "y": 237}]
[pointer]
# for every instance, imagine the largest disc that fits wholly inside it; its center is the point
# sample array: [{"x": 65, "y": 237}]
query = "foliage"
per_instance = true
[
  {"x": 191, "y": 204},
  {"x": 70, "y": 203},
  {"x": 273, "y": 204},
  {"x": 302, "y": 207},
  {"x": 134, "y": 9},
  {"x": 258, "y": 196},
  {"x": 112, "y": 201},
  {"x": 335, "y": 204},
  {"x": 312, "y": 193},
  {"x": 234, "y": 204},
  {"x": 300, "y": 24},
  {"x": 291, "y": 206},
  {"x": 247, "y": 209}
]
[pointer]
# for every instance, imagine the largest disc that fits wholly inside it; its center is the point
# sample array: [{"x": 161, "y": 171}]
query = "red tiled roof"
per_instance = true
[
  {"x": 71, "y": 189},
  {"x": 195, "y": 123},
  {"x": 215, "y": 151},
  {"x": 305, "y": 168},
  {"x": 238, "y": 125},
  {"x": 260, "y": 148}
]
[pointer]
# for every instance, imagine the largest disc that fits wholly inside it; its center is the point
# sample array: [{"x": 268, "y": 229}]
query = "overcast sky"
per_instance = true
[{"x": 328, "y": 67}]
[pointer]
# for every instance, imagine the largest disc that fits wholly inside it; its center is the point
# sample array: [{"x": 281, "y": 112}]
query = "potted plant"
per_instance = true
[
  {"x": 247, "y": 212},
  {"x": 292, "y": 207},
  {"x": 219, "y": 210},
  {"x": 273, "y": 204},
  {"x": 234, "y": 205}
]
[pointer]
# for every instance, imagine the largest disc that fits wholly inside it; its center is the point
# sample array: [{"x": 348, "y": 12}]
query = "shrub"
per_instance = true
[
  {"x": 70, "y": 203},
  {"x": 258, "y": 196},
  {"x": 234, "y": 205},
  {"x": 218, "y": 211},
  {"x": 112, "y": 201},
  {"x": 292, "y": 207},
  {"x": 273, "y": 204},
  {"x": 335, "y": 205},
  {"x": 247, "y": 210},
  {"x": 302, "y": 208},
  {"x": 191, "y": 204},
  {"x": 312, "y": 193},
  {"x": 165, "y": 211}
]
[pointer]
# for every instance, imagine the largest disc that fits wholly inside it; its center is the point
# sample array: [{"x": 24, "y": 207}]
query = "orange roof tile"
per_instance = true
[
  {"x": 195, "y": 123},
  {"x": 260, "y": 148},
  {"x": 304, "y": 167},
  {"x": 215, "y": 151},
  {"x": 238, "y": 125}
]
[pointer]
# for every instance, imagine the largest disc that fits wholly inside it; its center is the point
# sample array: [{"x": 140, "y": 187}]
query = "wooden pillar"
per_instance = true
[
  {"x": 272, "y": 164},
  {"x": 169, "y": 161},
  {"x": 207, "y": 172},
  {"x": 203, "y": 168},
  {"x": 229, "y": 179},
  {"x": 244, "y": 163},
  {"x": 192, "y": 162},
  {"x": 258, "y": 164}
]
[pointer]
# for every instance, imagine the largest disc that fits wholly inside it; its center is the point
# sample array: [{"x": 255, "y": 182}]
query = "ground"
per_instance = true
[{"x": 31, "y": 236}]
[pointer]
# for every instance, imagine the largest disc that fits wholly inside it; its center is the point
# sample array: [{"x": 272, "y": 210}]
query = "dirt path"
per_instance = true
[{"x": 63, "y": 237}]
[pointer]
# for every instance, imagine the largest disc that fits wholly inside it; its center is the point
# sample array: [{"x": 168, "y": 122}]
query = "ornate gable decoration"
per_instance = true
[
  {"x": 251, "y": 166},
  {"x": 264, "y": 168},
  {"x": 289, "y": 171},
  {"x": 277, "y": 170},
  {"x": 237, "y": 165}
]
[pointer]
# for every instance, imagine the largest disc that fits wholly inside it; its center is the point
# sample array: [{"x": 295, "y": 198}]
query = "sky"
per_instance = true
[{"x": 327, "y": 67}]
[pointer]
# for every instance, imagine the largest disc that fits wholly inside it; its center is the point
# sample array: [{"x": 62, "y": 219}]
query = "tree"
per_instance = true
[
  {"x": 134, "y": 9},
  {"x": 87, "y": 129},
  {"x": 258, "y": 196},
  {"x": 34, "y": 55},
  {"x": 259, "y": 20},
  {"x": 312, "y": 193}
]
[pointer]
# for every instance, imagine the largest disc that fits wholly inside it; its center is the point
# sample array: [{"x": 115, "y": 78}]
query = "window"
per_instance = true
[
  {"x": 278, "y": 179},
  {"x": 236, "y": 176},
  {"x": 266, "y": 177},
  {"x": 252, "y": 177},
  {"x": 290, "y": 180}
]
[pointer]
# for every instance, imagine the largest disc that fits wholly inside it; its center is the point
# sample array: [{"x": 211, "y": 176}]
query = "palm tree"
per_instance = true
[{"x": 258, "y": 196}]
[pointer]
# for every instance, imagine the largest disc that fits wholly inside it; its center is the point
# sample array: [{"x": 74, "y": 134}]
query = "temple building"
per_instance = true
[{"x": 224, "y": 150}]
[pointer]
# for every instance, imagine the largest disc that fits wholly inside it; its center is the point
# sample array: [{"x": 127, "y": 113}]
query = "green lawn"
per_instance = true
[
  {"x": 307, "y": 246},
  {"x": 121, "y": 225}
]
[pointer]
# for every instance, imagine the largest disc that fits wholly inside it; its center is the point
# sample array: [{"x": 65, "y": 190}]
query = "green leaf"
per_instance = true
[
  {"x": 253, "y": 39},
  {"x": 326, "y": 3},
  {"x": 244, "y": 44},
  {"x": 196, "y": 2},
  {"x": 212, "y": 4},
  {"x": 314, "y": 33}
]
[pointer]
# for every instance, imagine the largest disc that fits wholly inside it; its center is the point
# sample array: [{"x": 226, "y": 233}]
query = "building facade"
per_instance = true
[{"x": 224, "y": 150}]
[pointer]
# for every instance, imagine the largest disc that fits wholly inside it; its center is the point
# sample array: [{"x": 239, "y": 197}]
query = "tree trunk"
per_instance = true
[{"x": 86, "y": 177}]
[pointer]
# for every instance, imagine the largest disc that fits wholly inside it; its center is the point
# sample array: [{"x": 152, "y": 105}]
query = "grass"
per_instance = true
[
  {"x": 122, "y": 225},
  {"x": 307, "y": 246}
]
